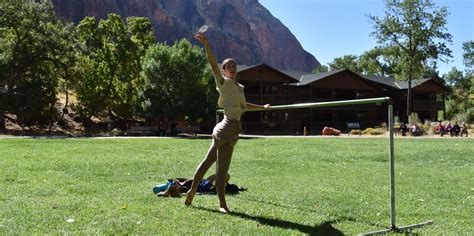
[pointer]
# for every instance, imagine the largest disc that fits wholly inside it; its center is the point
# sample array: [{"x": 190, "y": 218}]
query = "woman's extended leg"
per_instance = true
[
  {"x": 201, "y": 170},
  {"x": 224, "y": 156}
]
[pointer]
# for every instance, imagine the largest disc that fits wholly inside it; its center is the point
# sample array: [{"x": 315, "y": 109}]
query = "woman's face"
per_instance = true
[{"x": 230, "y": 70}]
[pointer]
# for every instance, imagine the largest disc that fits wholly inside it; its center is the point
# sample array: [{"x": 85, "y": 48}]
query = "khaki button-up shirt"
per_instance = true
[{"x": 231, "y": 98}]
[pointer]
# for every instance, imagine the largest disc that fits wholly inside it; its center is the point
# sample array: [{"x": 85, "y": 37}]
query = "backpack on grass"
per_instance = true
[{"x": 175, "y": 187}]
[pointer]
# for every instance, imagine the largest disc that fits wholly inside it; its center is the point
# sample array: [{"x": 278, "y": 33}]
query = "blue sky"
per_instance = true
[{"x": 334, "y": 28}]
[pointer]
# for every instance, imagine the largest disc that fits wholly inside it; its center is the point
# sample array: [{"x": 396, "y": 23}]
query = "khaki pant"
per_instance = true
[{"x": 224, "y": 137}]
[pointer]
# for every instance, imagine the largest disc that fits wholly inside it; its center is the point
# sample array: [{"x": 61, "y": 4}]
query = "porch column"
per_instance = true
[{"x": 444, "y": 107}]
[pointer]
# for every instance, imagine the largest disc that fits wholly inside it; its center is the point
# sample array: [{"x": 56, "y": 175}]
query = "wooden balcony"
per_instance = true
[
  {"x": 266, "y": 98},
  {"x": 427, "y": 105}
]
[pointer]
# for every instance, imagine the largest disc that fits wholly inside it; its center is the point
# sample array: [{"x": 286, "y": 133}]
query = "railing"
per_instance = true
[
  {"x": 421, "y": 104},
  {"x": 323, "y": 99},
  {"x": 266, "y": 98}
]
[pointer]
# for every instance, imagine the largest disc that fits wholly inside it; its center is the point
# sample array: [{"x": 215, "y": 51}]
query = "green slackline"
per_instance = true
[{"x": 323, "y": 104}]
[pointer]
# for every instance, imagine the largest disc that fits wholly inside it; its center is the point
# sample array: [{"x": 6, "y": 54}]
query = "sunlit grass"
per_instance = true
[{"x": 295, "y": 185}]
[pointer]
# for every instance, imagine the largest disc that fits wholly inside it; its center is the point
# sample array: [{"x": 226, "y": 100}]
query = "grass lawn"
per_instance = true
[{"x": 295, "y": 186}]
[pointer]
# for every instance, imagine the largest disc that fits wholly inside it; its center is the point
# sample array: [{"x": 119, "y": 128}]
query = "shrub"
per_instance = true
[
  {"x": 355, "y": 132},
  {"x": 429, "y": 127},
  {"x": 396, "y": 119},
  {"x": 467, "y": 116},
  {"x": 373, "y": 131},
  {"x": 413, "y": 118}
]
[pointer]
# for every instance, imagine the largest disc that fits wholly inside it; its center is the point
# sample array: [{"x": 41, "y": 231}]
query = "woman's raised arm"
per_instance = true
[{"x": 210, "y": 56}]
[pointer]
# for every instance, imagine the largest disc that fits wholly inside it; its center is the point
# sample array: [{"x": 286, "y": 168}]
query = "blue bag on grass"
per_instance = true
[{"x": 162, "y": 187}]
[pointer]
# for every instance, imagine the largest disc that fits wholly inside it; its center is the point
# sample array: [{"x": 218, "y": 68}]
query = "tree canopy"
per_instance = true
[
  {"x": 111, "y": 60},
  {"x": 102, "y": 62},
  {"x": 417, "y": 29},
  {"x": 177, "y": 81},
  {"x": 468, "y": 54},
  {"x": 35, "y": 54},
  {"x": 460, "y": 103},
  {"x": 345, "y": 62}
]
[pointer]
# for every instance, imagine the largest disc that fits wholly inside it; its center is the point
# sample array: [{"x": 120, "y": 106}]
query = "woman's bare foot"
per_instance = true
[
  {"x": 189, "y": 197},
  {"x": 224, "y": 209}
]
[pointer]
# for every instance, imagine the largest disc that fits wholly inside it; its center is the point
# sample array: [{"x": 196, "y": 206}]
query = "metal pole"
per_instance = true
[
  {"x": 393, "y": 227},
  {"x": 392, "y": 166}
]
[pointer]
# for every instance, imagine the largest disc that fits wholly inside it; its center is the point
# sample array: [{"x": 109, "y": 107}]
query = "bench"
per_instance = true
[
  {"x": 142, "y": 130},
  {"x": 188, "y": 129},
  {"x": 351, "y": 126}
]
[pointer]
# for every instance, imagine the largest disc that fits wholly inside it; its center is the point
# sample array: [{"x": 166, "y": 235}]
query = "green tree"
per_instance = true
[
  {"x": 345, "y": 62},
  {"x": 460, "y": 102},
  {"x": 469, "y": 63},
  {"x": 468, "y": 55},
  {"x": 418, "y": 29},
  {"x": 379, "y": 61},
  {"x": 321, "y": 68},
  {"x": 35, "y": 54},
  {"x": 111, "y": 57},
  {"x": 178, "y": 82}
]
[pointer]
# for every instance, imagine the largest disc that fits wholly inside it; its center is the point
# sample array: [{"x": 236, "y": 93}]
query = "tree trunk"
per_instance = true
[
  {"x": 65, "y": 111},
  {"x": 444, "y": 106},
  {"x": 2, "y": 123},
  {"x": 409, "y": 99},
  {"x": 51, "y": 117}
]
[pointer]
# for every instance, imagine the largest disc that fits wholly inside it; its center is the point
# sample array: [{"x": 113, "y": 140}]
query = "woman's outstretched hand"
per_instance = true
[{"x": 201, "y": 38}]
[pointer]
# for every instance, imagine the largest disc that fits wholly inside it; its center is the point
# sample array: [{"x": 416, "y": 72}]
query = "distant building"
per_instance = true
[
  {"x": 428, "y": 96},
  {"x": 265, "y": 84}
]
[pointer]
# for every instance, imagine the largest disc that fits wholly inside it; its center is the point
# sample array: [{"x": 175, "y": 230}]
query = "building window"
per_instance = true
[
  {"x": 345, "y": 94},
  {"x": 362, "y": 94},
  {"x": 321, "y": 93},
  {"x": 266, "y": 89},
  {"x": 270, "y": 89},
  {"x": 251, "y": 117},
  {"x": 274, "y": 90},
  {"x": 421, "y": 96},
  {"x": 250, "y": 89}
]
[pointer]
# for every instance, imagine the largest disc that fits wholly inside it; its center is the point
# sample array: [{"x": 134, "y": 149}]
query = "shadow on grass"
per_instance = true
[
  {"x": 325, "y": 228},
  {"x": 308, "y": 209}
]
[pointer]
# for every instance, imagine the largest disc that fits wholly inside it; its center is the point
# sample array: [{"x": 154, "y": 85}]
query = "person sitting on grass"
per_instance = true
[
  {"x": 440, "y": 129},
  {"x": 463, "y": 129},
  {"x": 403, "y": 128},
  {"x": 415, "y": 130},
  {"x": 448, "y": 127},
  {"x": 455, "y": 130}
]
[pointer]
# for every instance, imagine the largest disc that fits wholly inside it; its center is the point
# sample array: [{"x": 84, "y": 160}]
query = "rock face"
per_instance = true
[{"x": 242, "y": 29}]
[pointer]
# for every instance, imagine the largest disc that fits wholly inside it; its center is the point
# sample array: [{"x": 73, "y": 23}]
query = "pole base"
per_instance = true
[{"x": 399, "y": 229}]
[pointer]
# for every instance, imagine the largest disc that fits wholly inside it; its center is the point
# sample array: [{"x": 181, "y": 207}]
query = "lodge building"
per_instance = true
[{"x": 265, "y": 84}]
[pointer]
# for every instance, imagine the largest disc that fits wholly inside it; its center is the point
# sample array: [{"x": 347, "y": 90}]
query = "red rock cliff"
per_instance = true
[{"x": 242, "y": 29}]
